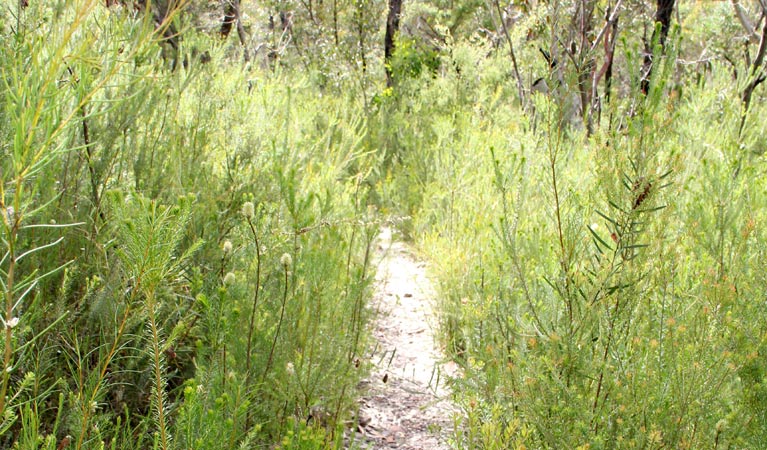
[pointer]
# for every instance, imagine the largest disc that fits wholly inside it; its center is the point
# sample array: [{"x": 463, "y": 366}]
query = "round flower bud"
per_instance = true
[
  {"x": 229, "y": 279},
  {"x": 248, "y": 210},
  {"x": 286, "y": 260},
  {"x": 227, "y": 247}
]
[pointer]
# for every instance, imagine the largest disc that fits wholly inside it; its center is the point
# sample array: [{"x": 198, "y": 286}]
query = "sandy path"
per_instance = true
[{"x": 407, "y": 406}]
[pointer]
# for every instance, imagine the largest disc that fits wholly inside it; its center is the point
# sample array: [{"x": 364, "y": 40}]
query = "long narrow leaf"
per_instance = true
[
  {"x": 42, "y": 247},
  {"x": 605, "y": 217},
  {"x": 596, "y": 236}
]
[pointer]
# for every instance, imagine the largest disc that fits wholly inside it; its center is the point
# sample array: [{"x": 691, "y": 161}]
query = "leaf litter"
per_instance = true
[{"x": 407, "y": 402}]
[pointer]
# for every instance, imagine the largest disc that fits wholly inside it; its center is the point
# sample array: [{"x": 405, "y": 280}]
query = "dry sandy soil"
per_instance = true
[{"x": 407, "y": 406}]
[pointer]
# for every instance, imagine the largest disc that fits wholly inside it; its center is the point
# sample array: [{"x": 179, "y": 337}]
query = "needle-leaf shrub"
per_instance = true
[
  {"x": 601, "y": 291},
  {"x": 186, "y": 247}
]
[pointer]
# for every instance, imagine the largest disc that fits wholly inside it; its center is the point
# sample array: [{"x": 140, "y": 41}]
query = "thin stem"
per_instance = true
[
  {"x": 248, "y": 353},
  {"x": 158, "y": 377},
  {"x": 560, "y": 234},
  {"x": 11, "y": 220},
  {"x": 279, "y": 324},
  {"x": 604, "y": 362},
  {"x": 358, "y": 304},
  {"x": 102, "y": 375},
  {"x": 511, "y": 53},
  {"x": 8, "y": 354}
]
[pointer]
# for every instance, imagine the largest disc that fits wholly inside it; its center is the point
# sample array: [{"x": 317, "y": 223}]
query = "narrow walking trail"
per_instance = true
[{"x": 408, "y": 404}]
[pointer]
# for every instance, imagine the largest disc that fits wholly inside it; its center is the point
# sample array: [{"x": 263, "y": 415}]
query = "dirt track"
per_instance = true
[{"x": 408, "y": 403}]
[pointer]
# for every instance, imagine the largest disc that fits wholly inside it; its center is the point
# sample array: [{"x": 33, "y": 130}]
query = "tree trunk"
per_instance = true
[
  {"x": 162, "y": 13},
  {"x": 520, "y": 88},
  {"x": 232, "y": 18},
  {"x": 757, "y": 75},
  {"x": 392, "y": 27},
  {"x": 663, "y": 13},
  {"x": 586, "y": 62},
  {"x": 361, "y": 37}
]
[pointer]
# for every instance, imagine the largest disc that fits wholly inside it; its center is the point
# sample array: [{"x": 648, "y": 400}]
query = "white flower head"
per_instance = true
[
  {"x": 227, "y": 247},
  {"x": 286, "y": 260},
  {"x": 12, "y": 323},
  {"x": 229, "y": 279},
  {"x": 248, "y": 210}
]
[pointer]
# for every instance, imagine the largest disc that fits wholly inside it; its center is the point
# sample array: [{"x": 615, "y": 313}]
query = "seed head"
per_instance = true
[
  {"x": 248, "y": 210},
  {"x": 286, "y": 260},
  {"x": 229, "y": 279},
  {"x": 227, "y": 247}
]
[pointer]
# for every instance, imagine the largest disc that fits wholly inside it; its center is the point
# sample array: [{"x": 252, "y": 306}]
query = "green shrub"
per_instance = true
[
  {"x": 596, "y": 289},
  {"x": 142, "y": 307}
]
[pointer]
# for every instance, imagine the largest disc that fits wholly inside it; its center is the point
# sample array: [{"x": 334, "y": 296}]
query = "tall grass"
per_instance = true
[{"x": 187, "y": 247}]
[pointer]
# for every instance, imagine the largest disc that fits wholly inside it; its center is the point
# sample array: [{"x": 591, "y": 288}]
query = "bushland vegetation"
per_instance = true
[{"x": 190, "y": 191}]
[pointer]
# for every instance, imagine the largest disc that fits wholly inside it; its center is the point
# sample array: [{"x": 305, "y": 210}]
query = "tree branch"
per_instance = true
[
  {"x": 740, "y": 12},
  {"x": 613, "y": 17},
  {"x": 511, "y": 52},
  {"x": 756, "y": 73}
]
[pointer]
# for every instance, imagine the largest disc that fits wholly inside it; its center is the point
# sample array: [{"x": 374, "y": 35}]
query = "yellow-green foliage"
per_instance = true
[
  {"x": 135, "y": 306},
  {"x": 603, "y": 291},
  {"x": 186, "y": 239}
]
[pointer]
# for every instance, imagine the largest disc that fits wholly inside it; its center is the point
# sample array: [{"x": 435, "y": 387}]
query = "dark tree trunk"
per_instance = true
[
  {"x": 335, "y": 21},
  {"x": 232, "y": 18},
  {"x": 161, "y": 11},
  {"x": 663, "y": 13},
  {"x": 585, "y": 60},
  {"x": 361, "y": 39},
  {"x": 392, "y": 27},
  {"x": 757, "y": 75}
]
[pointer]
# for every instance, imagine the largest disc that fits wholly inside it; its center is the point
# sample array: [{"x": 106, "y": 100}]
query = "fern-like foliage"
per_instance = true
[{"x": 150, "y": 235}]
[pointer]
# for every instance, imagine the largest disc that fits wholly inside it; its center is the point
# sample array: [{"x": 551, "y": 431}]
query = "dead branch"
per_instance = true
[
  {"x": 757, "y": 74},
  {"x": 608, "y": 23},
  {"x": 740, "y": 12}
]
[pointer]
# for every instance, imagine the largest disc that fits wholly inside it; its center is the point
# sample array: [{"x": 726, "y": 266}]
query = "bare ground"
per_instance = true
[{"x": 407, "y": 405}]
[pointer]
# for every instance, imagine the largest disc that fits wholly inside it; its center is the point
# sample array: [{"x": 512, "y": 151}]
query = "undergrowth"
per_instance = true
[
  {"x": 186, "y": 247},
  {"x": 187, "y": 237},
  {"x": 599, "y": 290}
]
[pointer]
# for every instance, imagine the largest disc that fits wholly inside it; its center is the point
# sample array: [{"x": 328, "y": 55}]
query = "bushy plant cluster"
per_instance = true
[
  {"x": 604, "y": 287},
  {"x": 187, "y": 238},
  {"x": 186, "y": 242}
]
